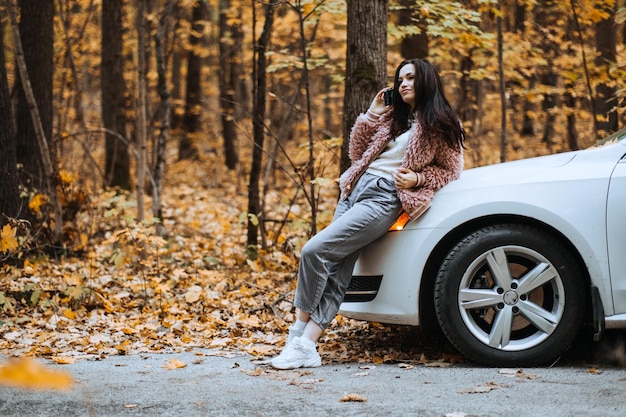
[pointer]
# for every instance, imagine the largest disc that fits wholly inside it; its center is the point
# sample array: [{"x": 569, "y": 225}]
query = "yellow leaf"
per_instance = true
[
  {"x": 36, "y": 202},
  {"x": 29, "y": 267},
  {"x": 127, "y": 330},
  {"x": 66, "y": 176},
  {"x": 63, "y": 360},
  {"x": 27, "y": 373},
  {"x": 353, "y": 398},
  {"x": 174, "y": 364},
  {"x": 7, "y": 239},
  {"x": 69, "y": 314}
]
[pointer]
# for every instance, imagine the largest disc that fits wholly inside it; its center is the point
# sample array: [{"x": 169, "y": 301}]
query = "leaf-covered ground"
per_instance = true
[{"x": 125, "y": 290}]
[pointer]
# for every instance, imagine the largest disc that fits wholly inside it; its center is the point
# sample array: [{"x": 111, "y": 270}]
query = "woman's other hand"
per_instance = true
[{"x": 405, "y": 178}]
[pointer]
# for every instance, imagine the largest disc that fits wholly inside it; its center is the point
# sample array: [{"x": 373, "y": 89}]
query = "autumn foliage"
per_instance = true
[{"x": 121, "y": 283}]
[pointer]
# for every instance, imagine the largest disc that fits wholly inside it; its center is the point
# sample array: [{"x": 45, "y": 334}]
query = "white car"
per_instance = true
[{"x": 511, "y": 259}]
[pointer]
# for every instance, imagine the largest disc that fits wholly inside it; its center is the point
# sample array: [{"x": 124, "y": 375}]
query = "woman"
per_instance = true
[{"x": 401, "y": 154}]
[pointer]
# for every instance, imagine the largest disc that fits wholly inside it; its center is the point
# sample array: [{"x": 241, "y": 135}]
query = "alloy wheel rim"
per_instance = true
[{"x": 511, "y": 298}]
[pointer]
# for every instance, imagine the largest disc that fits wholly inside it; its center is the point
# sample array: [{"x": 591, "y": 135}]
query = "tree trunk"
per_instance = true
[
  {"x": 178, "y": 61},
  {"x": 366, "y": 62},
  {"x": 412, "y": 46},
  {"x": 9, "y": 196},
  {"x": 501, "y": 83},
  {"x": 192, "y": 120},
  {"x": 469, "y": 107},
  {"x": 113, "y": 88},
  {"x": 258, "y": 126},
  {"x": 606, "y": 101},
  {"x": 49, "y": 169},
  {"x": 165, "y": 113},
  {"x": 471, "y": 91},
  {"x": 36, "y": 32},
  {"x": 546, "y": 18},
  {"x": 141, "y": 108},
  {"x": 231, "y": 38},
  {"x": 527, "y": 126},
  {"x": 569, "y": 99}
]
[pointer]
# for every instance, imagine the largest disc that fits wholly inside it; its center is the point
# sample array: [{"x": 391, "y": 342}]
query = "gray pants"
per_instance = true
[{"x": 328, "y": 258}]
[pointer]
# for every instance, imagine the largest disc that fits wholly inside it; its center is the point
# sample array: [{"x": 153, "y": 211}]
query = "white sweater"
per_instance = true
[{"x": 390, "y": 159}]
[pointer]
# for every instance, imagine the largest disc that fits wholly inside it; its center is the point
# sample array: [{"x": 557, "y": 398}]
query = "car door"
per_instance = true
[{"x": 616, "y": 235}]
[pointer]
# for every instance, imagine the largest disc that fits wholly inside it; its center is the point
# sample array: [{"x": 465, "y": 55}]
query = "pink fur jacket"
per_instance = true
[{"x": 439, "y": 163}]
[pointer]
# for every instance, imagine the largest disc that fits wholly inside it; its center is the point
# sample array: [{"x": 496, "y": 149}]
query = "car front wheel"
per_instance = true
[{"x": 510, "y": 295}]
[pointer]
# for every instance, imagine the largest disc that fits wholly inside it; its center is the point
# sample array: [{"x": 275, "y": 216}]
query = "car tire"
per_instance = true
[{"x": 510, "y": 295}]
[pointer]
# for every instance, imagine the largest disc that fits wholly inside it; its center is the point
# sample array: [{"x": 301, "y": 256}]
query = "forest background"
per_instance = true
[{"x": 164, "y": 161}]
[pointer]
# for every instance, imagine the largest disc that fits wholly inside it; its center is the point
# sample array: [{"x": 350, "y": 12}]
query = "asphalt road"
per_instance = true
[{"x": 214, "y": 385}]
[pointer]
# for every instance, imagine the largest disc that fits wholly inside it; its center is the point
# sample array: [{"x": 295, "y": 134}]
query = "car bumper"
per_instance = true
[{"x": 398, "y": 257}]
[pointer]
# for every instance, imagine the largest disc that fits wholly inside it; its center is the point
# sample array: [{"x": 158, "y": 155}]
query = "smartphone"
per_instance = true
[{"x": 388, "y": 96}]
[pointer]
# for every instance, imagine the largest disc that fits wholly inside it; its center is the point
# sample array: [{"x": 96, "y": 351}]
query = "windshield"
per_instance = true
[{"x": 614, "y": 138}]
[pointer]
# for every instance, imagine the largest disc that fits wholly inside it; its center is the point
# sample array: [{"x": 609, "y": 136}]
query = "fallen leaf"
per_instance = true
[
  {"x": 255, "y": 372},
  {"x": 30, "y": 374},
  {"x": 174, "y": 364},
  {"x": 483, "y": 388},
  {"x": 69, "y": 314},
  {"x": 353, "y": 398},
  {"x": 517, "y": 373},
  {"x": 305, "y": 382},
  {"x": 63, "y": 360},
  {"x": 193, "y": 294},
  {"x": 594, "y": 371},
  {"x": 438, "y": 364},
  {"x": 127, "y": 330}
]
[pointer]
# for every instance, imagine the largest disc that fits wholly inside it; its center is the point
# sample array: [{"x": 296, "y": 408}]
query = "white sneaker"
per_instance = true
[
  {"x": 297, "y": 354},
  {"x": 293, "y": 333}
]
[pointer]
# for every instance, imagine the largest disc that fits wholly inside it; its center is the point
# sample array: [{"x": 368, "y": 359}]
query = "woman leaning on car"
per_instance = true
[{"x": 402, "y": 151}]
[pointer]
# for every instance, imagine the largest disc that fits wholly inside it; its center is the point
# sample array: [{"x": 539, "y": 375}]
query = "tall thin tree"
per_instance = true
[
  {"x": 258, "y": 126},
  {"x": 502, "y": 84},
  {"x": 546, "y": 19},
  {"x": 10, "y": 201},
  {"x": 192, "y": 119},
  {"x": 231, "y": 37},
  {"x": 141, "y": 108},
  {"x": 165, "y": 112},
  {"x": 606, "y": 46},
  {"x": 113, "y": 90}
]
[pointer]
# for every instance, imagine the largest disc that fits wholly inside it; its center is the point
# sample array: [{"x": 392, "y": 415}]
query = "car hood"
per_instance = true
[
  {"x": 567, "y": 165},
  {"x": 522, "y": 171}
]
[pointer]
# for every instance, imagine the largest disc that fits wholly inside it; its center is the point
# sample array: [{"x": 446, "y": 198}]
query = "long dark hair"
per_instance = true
[{"x": 432, "y": 109}]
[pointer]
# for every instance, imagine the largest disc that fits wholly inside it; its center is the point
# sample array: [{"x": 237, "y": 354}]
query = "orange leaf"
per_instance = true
[
  {"x": 69, "y": 314},
  {"x": 63, "y": 360},
  {"x": 36, "y": 202},
  {"x": 174, "y": 364},
  {"x": 353, "y": 398},
  {"x": 27, "y": 373}
]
